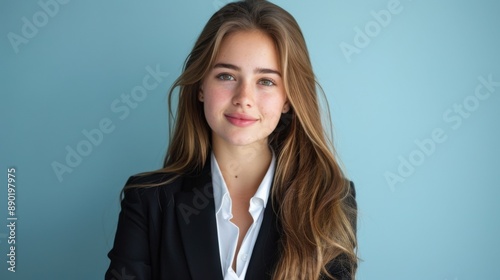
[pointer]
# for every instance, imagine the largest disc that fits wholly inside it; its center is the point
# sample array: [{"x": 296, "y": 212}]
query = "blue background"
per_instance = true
[{"x": 439, "y": 221}]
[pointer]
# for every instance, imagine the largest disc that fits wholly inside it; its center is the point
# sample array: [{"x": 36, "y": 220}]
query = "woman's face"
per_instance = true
[{"x": 243, "y": 94}]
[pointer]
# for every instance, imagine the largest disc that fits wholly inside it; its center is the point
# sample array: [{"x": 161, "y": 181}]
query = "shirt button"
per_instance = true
[{"x": 244, "y": 257}]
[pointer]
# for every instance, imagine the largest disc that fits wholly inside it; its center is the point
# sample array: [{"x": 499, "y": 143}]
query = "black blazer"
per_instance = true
[{"x": 170, "y": 232}]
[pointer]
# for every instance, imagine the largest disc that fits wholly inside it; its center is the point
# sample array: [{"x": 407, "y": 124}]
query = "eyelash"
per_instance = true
[
  {"x": 267, "y": 80},
  {"x": 221, "y": 77},
  {"x": 224, "y": 76}
]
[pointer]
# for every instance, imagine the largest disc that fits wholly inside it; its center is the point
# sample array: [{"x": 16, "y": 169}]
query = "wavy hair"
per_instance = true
[{"x": 310, "y": 192}]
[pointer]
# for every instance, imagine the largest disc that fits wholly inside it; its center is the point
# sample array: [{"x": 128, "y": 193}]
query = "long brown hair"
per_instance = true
[{"x": 310, "y": 193}]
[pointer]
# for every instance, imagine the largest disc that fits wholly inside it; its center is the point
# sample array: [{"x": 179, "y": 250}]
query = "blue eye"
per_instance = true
[
  {"x": 225, "y": 77},
  {"x": 266, "y": 82}
]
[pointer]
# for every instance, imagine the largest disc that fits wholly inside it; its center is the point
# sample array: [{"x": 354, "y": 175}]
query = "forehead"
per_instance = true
[{"x": 252, "y": 48}]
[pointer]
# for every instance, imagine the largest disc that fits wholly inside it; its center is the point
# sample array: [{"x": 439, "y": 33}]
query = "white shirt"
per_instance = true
[{"x": 228, "y": 232}]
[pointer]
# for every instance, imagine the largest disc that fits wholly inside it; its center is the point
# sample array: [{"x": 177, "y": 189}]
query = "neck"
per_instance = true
[{"x": 243, "y": 167}]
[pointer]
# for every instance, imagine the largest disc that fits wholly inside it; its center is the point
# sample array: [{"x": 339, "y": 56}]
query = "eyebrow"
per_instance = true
[{"x": 257, "y": 70}]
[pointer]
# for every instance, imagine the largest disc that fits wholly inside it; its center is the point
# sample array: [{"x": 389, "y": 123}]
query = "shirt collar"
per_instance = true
[{"x": 220, "y": 187}]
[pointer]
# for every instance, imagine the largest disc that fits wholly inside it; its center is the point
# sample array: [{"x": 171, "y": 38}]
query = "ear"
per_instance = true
[
  {"x": 201, "y": 96},
  {"x": 286, "y": 107}
]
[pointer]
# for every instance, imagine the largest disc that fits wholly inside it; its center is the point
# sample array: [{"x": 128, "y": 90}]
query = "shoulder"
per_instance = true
[
  {"x": 156, "y": 187},
  {"x": 348, "y": 195},
  {"x": 351, "y": 196},
  {"x": 352, "y": 189},
  {"x": 161, "y": 187},
  {"x": 150, "y": 179}
]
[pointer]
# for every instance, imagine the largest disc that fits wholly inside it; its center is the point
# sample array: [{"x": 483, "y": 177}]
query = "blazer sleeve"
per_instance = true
[
  {"x": 130, "y": 257},
  {"x": 342, "y": 267}
]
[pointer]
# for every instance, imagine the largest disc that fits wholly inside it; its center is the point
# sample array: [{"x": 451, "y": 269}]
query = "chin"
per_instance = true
[{"x": 244, "y": 140}]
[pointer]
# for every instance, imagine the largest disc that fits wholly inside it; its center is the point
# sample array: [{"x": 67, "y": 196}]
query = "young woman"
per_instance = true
[{"x": 250, "y": 187}]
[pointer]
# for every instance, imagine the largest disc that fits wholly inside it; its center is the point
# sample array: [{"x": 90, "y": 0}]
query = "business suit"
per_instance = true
[{"x": 170, "y": 232}]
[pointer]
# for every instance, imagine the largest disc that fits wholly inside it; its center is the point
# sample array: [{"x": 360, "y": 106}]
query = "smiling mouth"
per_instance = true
[
  {"x": 241, "y": 121},
  {"x": 240, "y": 118}
]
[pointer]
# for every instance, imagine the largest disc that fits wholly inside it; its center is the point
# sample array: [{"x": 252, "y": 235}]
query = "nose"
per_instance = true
[{"x": 243, "y": 95}]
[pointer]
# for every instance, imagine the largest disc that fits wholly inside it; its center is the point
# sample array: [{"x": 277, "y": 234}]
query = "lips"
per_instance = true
[{"x": 241, "y": 120}]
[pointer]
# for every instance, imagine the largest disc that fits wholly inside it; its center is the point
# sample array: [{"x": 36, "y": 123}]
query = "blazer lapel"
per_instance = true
[
  {"x": 196, "y": 219},
  {"x": 266, "y": 250}
]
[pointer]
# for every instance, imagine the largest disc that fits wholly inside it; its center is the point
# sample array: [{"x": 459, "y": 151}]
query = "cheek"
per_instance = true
[
  {"x": 216, "y": 96},
  {"x": 211, "y": 103},
  {"x": 213, "y": 106},
  {"x": 209, "y": 110},
  {"x": 273, "y": 115}
]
